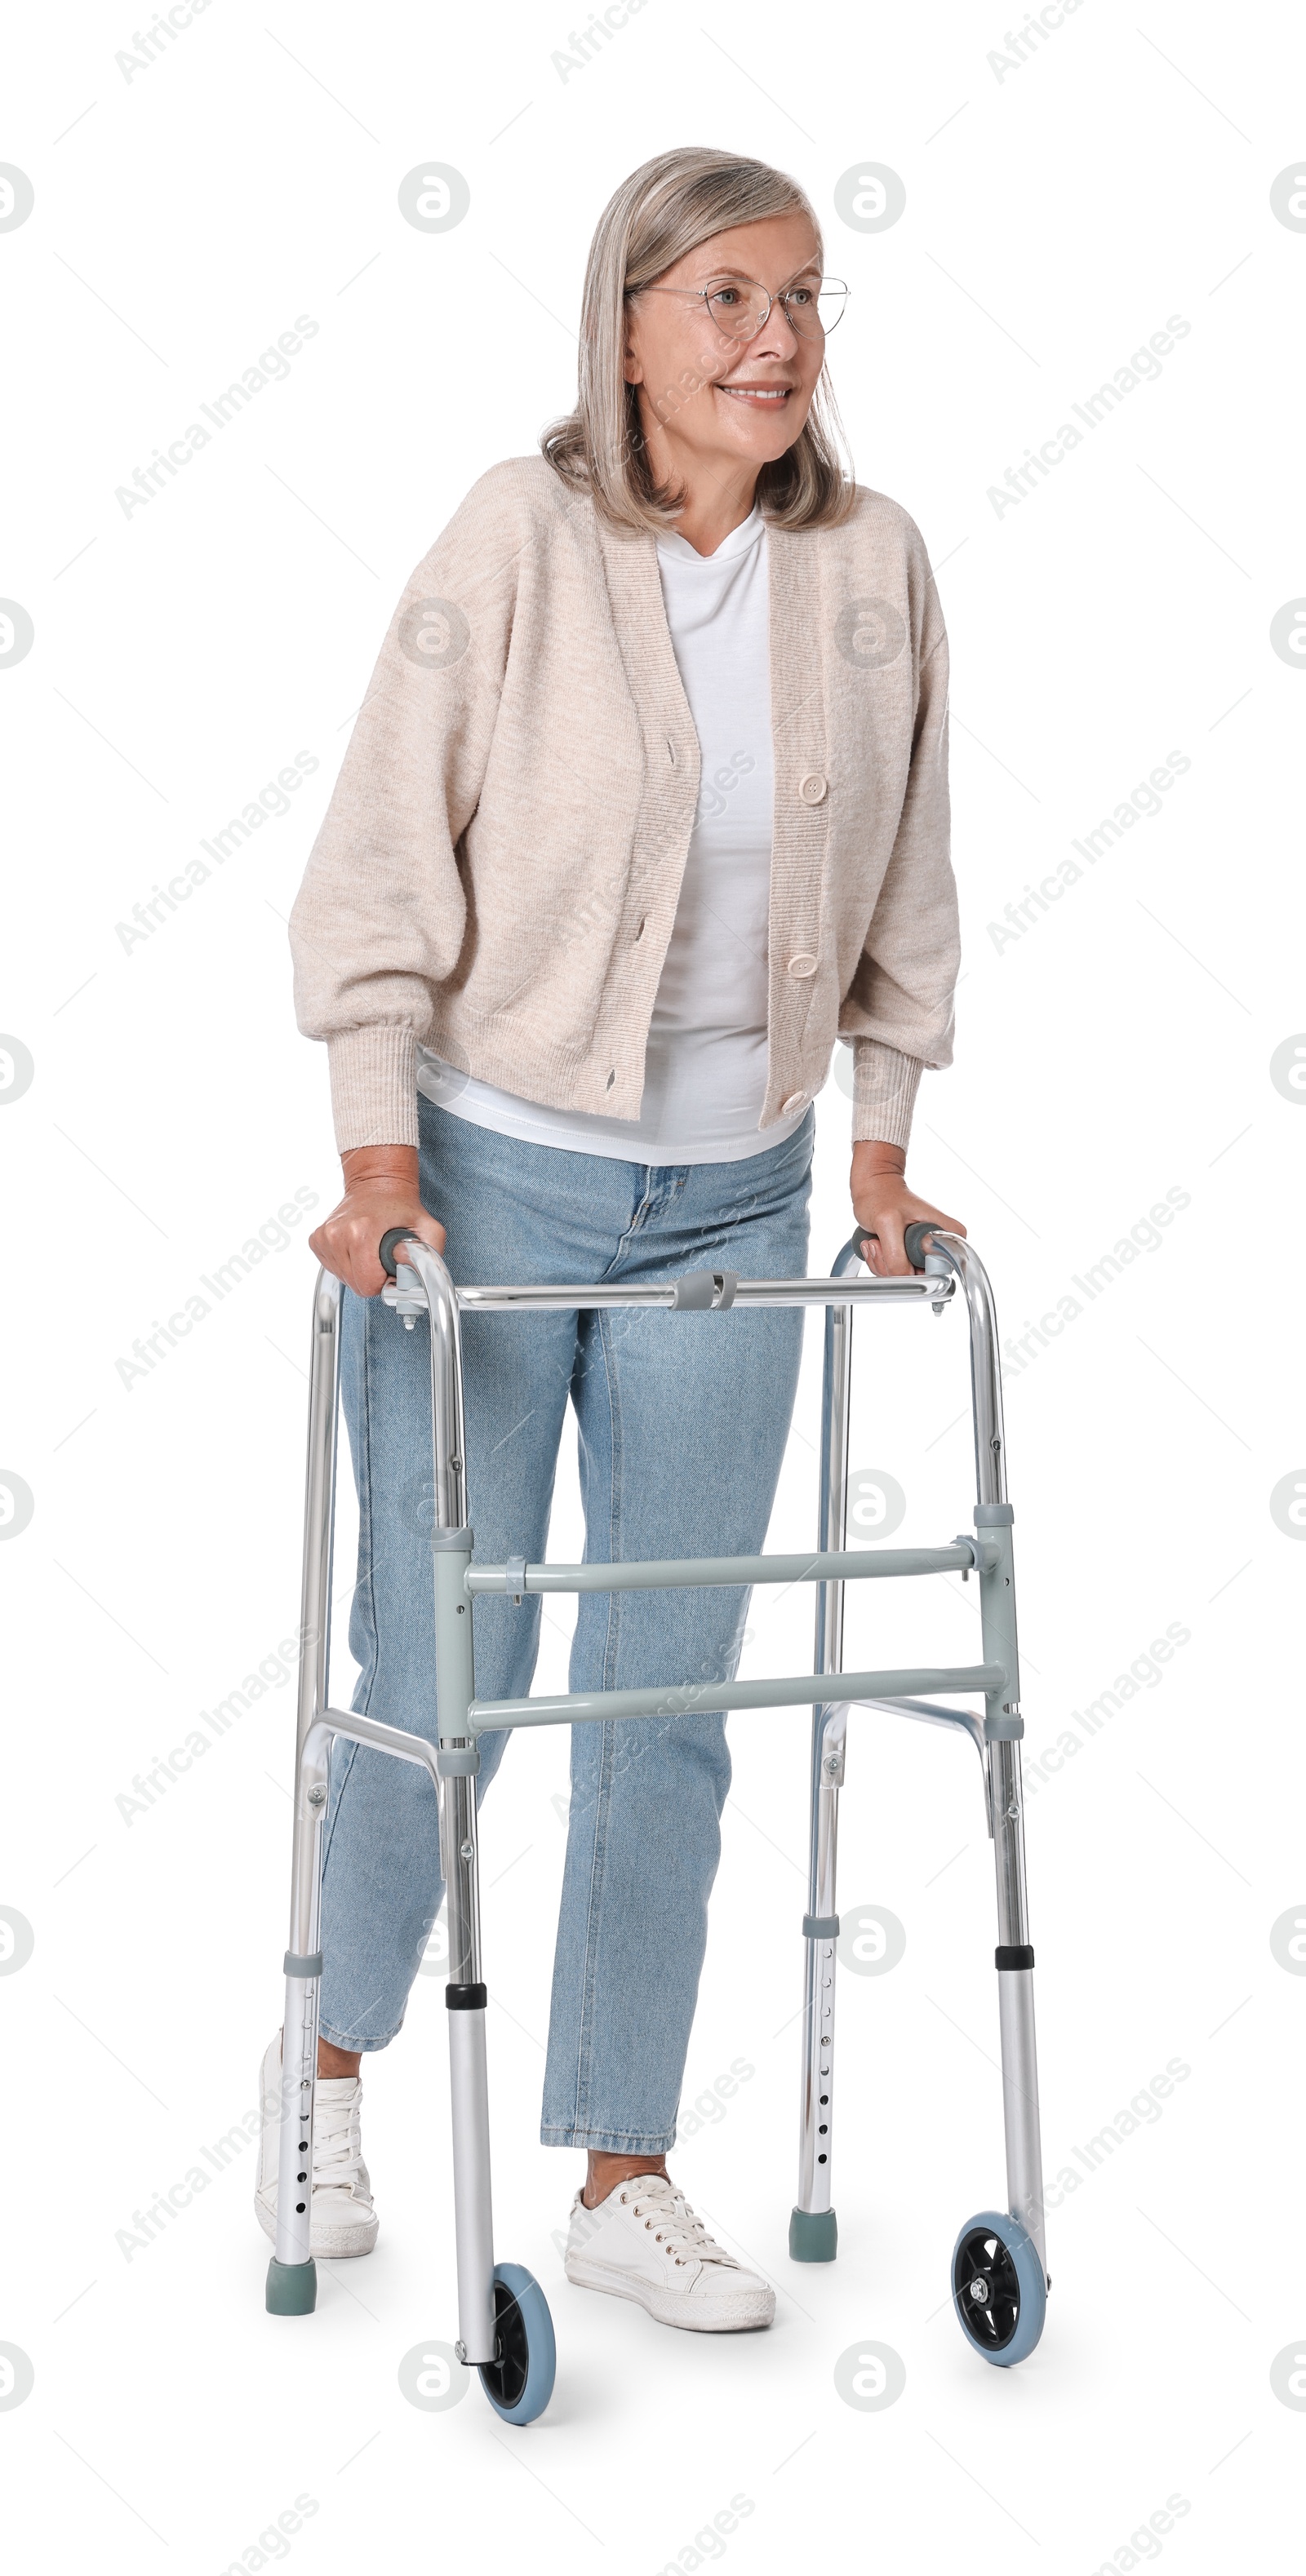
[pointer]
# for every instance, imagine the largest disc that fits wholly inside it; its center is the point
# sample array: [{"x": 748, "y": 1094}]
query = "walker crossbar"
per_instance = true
[
  {"x": 654, "y": 1574},
  {"x": 681, "y": 1699},
  {"x": 912, "y": 1290},
  {"x": 999, "y": 2264}
]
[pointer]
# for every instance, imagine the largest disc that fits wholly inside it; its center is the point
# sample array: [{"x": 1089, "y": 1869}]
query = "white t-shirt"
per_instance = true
[{"x": 705, "y": 1067}]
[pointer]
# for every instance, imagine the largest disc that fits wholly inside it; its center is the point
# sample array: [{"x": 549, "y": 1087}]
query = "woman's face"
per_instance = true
[{"x": 720, "y": 400}]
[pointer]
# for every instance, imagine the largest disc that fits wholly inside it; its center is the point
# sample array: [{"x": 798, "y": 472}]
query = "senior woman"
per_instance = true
[{"x": 646, "y": 803}]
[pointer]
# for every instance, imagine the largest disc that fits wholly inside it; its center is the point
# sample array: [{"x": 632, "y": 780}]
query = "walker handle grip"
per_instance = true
[
  {"x": 386, "y": 1248},
  {"x": 913, "y": 1242}
]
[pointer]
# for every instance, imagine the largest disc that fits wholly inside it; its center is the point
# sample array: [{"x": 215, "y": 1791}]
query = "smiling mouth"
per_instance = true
[{"x": 764, "y": 397}]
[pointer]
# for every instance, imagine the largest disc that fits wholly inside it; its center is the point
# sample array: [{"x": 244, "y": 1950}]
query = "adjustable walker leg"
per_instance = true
[
  {"x": 1003, "y": 1727},
  {"x": 813, "y": 2227},
  {"x": 469, "y": 2101},
  {"x": 999, "y": 2261},
  {"x": 292, "y": 2275},
  {"x": 505, "y": 2331},
  {"x": 465, "y": 1994}
]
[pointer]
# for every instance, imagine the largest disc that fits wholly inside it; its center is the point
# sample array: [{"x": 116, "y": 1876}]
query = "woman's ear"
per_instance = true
[{"x": 632, "y": 365}]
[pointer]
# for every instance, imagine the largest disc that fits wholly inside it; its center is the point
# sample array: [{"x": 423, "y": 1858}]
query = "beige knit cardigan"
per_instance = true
[{"x": 497, "y": 873}]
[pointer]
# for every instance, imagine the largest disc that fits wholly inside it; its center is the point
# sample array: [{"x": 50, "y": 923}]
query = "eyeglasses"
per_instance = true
[{"x": 741, "y": 308}]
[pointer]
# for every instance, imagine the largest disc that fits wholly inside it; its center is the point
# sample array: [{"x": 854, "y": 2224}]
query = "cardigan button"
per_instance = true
[
  {"x": 812, "y": 787},
  {"x": 797, "y": 1100},
  {"x": 803, "y": 964}
]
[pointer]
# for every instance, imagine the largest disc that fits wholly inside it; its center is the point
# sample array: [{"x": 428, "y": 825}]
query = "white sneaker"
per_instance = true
[
  {"x": 343, "y": 2218},
  {"x": 644, "y": 2243}
]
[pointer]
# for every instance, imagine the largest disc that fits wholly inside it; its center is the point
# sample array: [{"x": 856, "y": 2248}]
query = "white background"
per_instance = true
[{"x": 1056, "y": 216}]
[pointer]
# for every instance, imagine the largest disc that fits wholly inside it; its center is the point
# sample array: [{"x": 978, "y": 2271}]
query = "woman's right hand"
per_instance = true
[{"x": 381, "y": 1190}]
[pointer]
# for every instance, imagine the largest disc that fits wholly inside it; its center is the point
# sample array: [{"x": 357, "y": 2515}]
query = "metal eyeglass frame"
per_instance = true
[{"x": 703, "y": 294}]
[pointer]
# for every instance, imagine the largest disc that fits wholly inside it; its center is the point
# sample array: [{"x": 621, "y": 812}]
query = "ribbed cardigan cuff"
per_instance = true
[
  {"x": 374, "y": 1086},
  {"x": 885, "y": 1085}
]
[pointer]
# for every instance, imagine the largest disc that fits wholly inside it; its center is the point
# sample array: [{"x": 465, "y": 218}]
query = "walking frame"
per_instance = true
[{"x": 999, "y": 2274}]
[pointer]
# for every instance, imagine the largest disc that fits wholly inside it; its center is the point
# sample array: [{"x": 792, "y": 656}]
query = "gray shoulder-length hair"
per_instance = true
[{"x": 663, "y": 210}]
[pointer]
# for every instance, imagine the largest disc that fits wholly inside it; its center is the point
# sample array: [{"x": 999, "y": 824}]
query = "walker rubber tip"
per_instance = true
[
  {"x": 292, "y": 2288},
  {"x": 813, "y": 2236}
]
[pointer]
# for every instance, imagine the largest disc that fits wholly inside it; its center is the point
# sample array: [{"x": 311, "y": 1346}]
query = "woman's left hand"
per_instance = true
[{"x": 884, "y": 1205}]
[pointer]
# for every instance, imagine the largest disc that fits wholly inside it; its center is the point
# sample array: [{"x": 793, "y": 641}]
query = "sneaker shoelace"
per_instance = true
[
  {"x": 337, "y": 2145},
  {"x": 671, "y": 2222}
]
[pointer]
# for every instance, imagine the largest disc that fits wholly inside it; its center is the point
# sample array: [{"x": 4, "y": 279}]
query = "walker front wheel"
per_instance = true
[
  {"x": 519, "y": 2381},
  {"x": 998, "y": 2288}
]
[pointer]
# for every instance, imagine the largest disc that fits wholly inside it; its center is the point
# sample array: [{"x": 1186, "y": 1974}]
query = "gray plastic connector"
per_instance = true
[{"x": 704, "y": 1291}]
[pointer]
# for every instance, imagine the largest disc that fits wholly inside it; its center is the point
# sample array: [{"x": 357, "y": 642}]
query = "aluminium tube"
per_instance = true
[
  {"x": 682, "y": 1699},
  {"x": 825, "y": 1778},
  {"x": 828, "y": 1566},
  {"x": 300, "y": 2019},
  {"x": 985, "y": 1376},
  {"x": 910, "y": 1289},
  {"x": 1020, "y": 2104},
  {"x": 465, "y": 1998}
]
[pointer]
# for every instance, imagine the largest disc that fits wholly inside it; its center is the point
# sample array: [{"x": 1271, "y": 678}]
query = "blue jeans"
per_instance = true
[{"x": 682, "y": 1426}]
